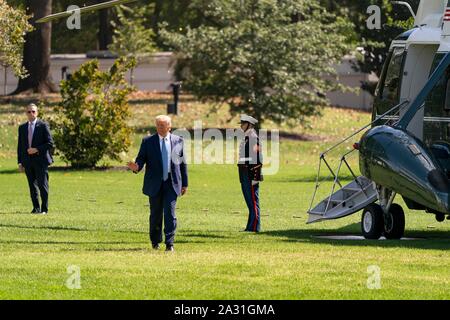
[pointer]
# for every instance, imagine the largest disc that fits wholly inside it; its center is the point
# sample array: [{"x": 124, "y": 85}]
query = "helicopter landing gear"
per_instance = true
[
  {"x": 440, "y": 217},
  {"x": 372, "y": 221},
  {"x": 394, "y": 222},
  {"x": 386, "y": 218}
]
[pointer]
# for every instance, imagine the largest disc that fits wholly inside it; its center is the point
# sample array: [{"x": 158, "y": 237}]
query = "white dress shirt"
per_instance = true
[{"x": 168, "y": 148}]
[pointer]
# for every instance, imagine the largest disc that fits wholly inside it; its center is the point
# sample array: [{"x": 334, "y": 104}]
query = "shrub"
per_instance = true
[{"x": 90, "y": 122}]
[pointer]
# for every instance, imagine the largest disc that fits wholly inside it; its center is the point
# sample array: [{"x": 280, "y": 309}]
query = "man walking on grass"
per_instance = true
[
  {"x": 33, "y": 156},
  {"x": 165, "y": 179}
]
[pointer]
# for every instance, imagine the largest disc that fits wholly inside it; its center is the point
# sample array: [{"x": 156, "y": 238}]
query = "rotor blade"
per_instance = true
[{"x": 94, "y": 7}]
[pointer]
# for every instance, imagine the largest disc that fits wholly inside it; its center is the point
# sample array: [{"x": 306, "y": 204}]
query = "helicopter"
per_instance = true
[{"x": 405, "y": 150}]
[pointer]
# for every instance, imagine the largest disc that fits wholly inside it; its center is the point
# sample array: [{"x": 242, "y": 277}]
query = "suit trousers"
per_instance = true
[
  {"x": 163, "y": 204},
  {"x": 37, "y": 176}
]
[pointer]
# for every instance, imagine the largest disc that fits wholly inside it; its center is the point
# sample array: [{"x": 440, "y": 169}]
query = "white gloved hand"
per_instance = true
[{"x": 254, "y": 182}]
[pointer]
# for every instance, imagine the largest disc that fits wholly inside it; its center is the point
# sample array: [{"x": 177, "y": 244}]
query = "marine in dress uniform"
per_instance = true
[{"x": 250, "y": 166}]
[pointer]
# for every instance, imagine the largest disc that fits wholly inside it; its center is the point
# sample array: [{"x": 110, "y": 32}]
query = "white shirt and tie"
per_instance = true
[{"x": 168, "y": 149}]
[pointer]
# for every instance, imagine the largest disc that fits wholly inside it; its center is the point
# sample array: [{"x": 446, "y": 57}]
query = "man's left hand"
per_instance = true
[
  {"x": 32, "y": 151},
  {"x": 183, "y": 191}
]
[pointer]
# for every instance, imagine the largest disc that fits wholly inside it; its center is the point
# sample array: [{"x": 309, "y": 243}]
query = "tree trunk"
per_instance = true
[
  {"x": 104, "y": 29},
  {"x": 36, "y": 53},
  {"x": 156, "y": 17},
  {"x": 5, "y": 79}
]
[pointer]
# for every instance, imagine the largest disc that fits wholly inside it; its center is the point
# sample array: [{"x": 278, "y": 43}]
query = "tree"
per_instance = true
[
  {"x": 375, "y": 43},
  {"x": 91, "y": 121},
  {"x": 13, "y": 25},
  {"x": 178, "y": 14},
  {"x": 271, "y": 59},
  {"x": 131, "y": 37},
  {"x": 36, "y": 53},
  {"x": 104, "y": 28}
]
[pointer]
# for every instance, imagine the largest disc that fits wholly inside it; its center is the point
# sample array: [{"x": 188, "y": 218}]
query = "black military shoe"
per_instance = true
[
  {"x": 155, "y": 246},
  {"x": 170, "y": 248},
  {"x": 36, "y": 210}
]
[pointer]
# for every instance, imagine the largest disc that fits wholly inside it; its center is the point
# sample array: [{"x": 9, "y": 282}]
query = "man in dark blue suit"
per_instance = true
[
  {"x": 165, "y": 179},
  {"x": 33, "y": 156}
]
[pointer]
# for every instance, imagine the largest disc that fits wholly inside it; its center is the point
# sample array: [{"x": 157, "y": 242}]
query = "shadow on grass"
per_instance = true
[
  {"x": 16, "y": 212},
  {"x": 120, "y": 249},
  {"x": 62, "y": 228},
  {"x": 57, "y": 228},
  {"x": 72, "y": 169},
  {"x": 76, "y": 229},
  {"x": 202, "y": 235},
  {"x": 436, "y": 240},
  {"x": 69, "y": 242},
  {"x": 144, "y": 243}
]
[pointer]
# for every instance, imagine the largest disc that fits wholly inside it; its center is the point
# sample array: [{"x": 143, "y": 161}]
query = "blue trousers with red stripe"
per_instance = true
[{"x": 251, "y": 196}]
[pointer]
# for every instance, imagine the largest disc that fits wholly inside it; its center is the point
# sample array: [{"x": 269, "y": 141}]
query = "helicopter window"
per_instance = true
[
  {"x": 388, "y": 89},
  {"x": 437, "y": 112},
  {"x": 393, "y": 76}
]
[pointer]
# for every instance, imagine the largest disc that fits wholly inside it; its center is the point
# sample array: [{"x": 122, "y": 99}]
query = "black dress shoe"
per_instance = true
[
  {"x": 170, "y": 248},
  {"x": 155, "y": 246},
  {"x": 36, "y": 210}
]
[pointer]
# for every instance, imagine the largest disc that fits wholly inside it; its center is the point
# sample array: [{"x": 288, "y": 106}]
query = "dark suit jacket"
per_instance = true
[
  {"x": 150, "y": 156},
  {"x": 42, "y": 140}
]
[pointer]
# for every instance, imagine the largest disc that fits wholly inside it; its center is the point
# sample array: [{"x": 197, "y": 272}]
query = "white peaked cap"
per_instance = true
[{"x": 246, "y": 118}]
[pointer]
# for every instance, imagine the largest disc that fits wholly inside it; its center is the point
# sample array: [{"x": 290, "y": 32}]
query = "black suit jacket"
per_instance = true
[{"x": 42, "y": 140}]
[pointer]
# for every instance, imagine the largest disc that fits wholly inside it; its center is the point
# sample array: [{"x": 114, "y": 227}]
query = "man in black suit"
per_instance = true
[
  {"x": 33, "y": 157},
  {"x": 165, "y": 179}
]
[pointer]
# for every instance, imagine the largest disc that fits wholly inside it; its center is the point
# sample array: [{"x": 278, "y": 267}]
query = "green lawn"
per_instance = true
[{"x": 98, "y": 221}]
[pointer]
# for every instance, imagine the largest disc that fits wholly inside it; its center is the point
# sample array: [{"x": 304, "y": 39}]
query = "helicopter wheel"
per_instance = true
[
  {"x": 394, "y": 222},
  {"x": 372, "y": 221}
]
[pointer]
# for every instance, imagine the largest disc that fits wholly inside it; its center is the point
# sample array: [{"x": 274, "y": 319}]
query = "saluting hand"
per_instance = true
[{"x": 133, "y": 166}]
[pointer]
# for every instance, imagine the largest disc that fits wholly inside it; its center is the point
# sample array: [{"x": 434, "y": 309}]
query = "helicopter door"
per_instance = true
[
  {"x": 387, "y": 94},
  {"x": 418, "y": 64}
]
